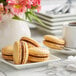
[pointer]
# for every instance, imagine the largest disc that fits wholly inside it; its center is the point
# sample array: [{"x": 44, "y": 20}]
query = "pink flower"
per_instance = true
[
  {"x": 39, "y": 8},
  {"x": 17, "y": 6},
  {"x": 11, "y": 2},
  {"x": 6, "y": 9},
  {"x": 20, "y": 6},
  {"x": 26, "y": 3},
  {"x": 0, "y": 17},
  {"x": 1, "y": 8},
  {"x": 17, "y": 9},
  {"x": 35, "y": 2}
]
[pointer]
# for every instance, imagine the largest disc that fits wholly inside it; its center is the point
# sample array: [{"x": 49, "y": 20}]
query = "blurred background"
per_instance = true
[
  {"x": 64, "y": 13},
  {"x": 50, "y": 4}
]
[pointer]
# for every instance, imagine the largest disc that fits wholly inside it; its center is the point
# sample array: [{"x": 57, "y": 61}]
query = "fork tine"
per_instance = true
[
  {"x": 67, "y": 8},
  {"x": 62, "y": 8}
]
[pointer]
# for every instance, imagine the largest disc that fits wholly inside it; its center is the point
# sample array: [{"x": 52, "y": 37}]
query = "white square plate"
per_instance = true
[
  {"x": 48, "y": 15},
  {"x": 61, "y": 19},
  {"x": 30, "y": 65},
  {"x": 67, "y": 52},
  {"x": 53, "y": 32}
]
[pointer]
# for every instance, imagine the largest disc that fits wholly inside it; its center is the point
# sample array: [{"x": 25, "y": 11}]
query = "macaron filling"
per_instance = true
[
  {"x": 22, "y": 52},
  {"x": 53, "y": 42},
  {"x": 39, "y": 56},
  {"x": 7, "y": 55},
  {"x": 30, "y": 43}
]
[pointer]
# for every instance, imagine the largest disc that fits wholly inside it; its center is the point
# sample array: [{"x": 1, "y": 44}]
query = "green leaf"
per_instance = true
[
  {"x": 31, "y": 15},
  {"x": 4, "y": 2},
  {"x": 37, "y": 19},
  {"x": 28, "y": 16},
  {"x": 33, "y": 7},
  {"x": 17, "y": 18}
]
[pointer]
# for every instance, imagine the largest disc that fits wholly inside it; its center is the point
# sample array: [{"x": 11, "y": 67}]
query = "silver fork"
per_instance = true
[
  {"x": 67, "y": 7},
  {"x": 61, "y": 9}
]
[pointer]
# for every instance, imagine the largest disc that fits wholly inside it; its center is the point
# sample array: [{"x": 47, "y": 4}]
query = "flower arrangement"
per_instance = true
[{"x": 17, "y": 7}]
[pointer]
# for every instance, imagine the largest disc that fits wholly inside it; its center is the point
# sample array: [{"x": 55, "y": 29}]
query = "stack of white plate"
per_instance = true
[{"x": 54, "y": 23}]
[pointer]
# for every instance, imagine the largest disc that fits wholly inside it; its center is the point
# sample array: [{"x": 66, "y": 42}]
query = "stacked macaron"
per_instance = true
[
  {"x": 38, "y": 54},
  {"x": 30, "y": 42},
  {"x": 20, "y": 53},
  {"x": 7, "y": 53},
  {"x": 53, "y": 42},
  {"x": 25, "y": 50}
]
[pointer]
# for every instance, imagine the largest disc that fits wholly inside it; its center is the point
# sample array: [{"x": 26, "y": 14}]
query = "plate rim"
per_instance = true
[
  {"x": 66, "y": 52},
  {"x": 30, "y": 64}
]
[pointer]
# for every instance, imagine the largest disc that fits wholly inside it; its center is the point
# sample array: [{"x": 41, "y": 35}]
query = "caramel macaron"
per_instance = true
[
  {"x": 53, "y": 42},
  {"x": 31, "y": 42},
  {"x": 9, "y": 57},
  {"x": 7, "y": 53},
  {"x": 38, "y": 54},
  {"x": 20, "y": 53}
]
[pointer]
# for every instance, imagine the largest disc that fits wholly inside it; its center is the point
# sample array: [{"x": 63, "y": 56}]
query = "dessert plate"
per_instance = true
[
  {"x": 56, "y": 16},
  {"x": 30, "y": 65},
  {"x": 53, "y": 32},
  {"x": 49, "y": 27},
  {"x": 61, "y": 19},
  {"x": 68, "y": 52}
]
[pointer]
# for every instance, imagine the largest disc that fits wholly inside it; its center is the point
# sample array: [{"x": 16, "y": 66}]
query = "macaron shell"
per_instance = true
[
  {"x": 8, "y": 50},
  {"x": 17, "y": 53},
  {"x": 52, "y": 38},
  {"x": 30, "y": 45},
  {"x": 9, "y": 58},
  {"x": 32, "y": 41},
  {"x": 39, "y": 52},
  {"x": 53, "y": 46},
  {"x": 36, "y": 59},
  {"x": 25, "y": 52}
]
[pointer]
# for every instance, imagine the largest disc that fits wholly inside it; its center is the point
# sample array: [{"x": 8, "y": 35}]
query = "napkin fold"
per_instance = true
[
  {"x": 63, "y": 68},
  {"x": 72, "y": 63}
]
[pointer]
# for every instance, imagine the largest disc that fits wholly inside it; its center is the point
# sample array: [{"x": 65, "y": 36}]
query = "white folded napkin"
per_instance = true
[
  {"x": 63, "y": 68},
  {"x": 72, "y": 63}
]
